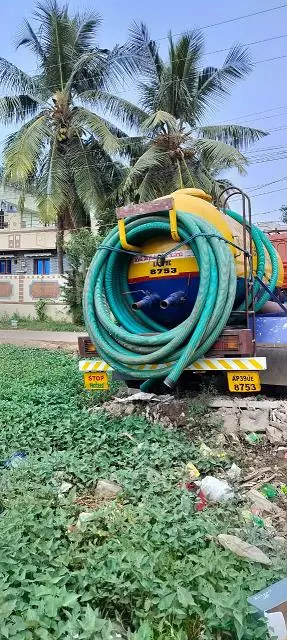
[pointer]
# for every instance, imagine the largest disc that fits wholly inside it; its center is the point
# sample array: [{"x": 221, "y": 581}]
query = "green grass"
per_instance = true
[
  {"x": 147, "y": 566},
  {"x": 37, "y": 325}
]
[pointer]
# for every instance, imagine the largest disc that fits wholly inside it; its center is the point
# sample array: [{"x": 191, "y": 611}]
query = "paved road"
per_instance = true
[{"x": 53, "y": 339}]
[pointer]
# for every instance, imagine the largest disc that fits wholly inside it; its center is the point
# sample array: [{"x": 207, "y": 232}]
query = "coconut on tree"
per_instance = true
[
  {"x": 65, "y": 145},
  {"x": 177, "y": 148}
]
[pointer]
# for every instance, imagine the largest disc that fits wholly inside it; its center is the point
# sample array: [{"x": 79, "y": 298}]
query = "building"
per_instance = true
[
  {"x": 272, "y": 226},
  {"x": 28, "y": 263}
]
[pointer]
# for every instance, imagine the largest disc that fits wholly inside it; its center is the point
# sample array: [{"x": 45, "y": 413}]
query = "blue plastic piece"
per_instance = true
[
  {"x": 270, "y": 598},
  {"x": 15, "y": 460}
]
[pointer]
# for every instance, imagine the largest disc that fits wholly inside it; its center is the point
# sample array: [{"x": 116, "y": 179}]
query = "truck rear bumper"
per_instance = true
[{"x": 205, "y": 364}]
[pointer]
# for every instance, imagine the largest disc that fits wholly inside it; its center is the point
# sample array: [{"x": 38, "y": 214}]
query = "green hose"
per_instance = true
[
  {"x": 261, "y": 241},
  {"x": 132, "y": 343}
]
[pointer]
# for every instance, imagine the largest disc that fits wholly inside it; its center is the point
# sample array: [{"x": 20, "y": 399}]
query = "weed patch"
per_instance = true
[{"x": 146, "y": 566}]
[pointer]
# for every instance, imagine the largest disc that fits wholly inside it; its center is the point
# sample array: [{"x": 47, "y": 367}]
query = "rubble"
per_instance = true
[
  {"x": 278, "y": 419},
  {"x": 117, "y": 410},
  {"x": 65, "y": 487},
  {"x": 141, "y": 396},
  {"x": 171, "y": 415},
  {"x": 268, "y": 417},
  {"x": 230, "y": 420},
  {"x": 234, "y": 473},
  {"x": 274, "y": 435},
  {"x": 254, "y": 420},
  {"x": 107, "y": 489},
  {"x": 163, "y": 409},
  {"x": 243, "y": 549},
  {"x": 238, "y": 403},
  {"x": 252, "y": 416},
  {"x": 263, "y": 505}
]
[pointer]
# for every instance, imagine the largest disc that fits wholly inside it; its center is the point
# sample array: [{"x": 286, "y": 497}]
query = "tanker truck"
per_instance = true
[{"x": 182, "y": 286}]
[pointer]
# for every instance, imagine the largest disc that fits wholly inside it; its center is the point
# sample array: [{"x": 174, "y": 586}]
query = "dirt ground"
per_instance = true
[{"x": 66, "y": 340}]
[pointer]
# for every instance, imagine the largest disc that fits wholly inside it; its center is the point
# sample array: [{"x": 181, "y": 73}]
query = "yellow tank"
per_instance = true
[{"x": 180, "y": 271}]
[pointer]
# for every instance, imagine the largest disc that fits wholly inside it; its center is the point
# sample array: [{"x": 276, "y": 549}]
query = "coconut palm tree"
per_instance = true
[
  {"x": 64, "y": 145},
  {"x": 177, "y": 148}
]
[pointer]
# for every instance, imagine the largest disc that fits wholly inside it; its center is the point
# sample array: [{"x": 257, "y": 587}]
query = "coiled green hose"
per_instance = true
[{"x": 132, "y": 343}]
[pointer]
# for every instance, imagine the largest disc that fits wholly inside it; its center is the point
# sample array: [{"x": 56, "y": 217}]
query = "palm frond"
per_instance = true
[
  {"x": 144, "y": 51},
  {"x": 86, "y": 175},
  {"x": 90, "y": 123},
  {"x": 237, "y": 135},
  {"x": 184, "y": 59},
  {"x": 215, "y": 151},
  {"x": 159, "y": 120},
  {"x": 106, "y": 71},
  {"x": 23, "y": 150},
  {"x": 54, "y": 190},
  {"x": 149, "y": 95},
  {"x": 56, "y": 34},
  {"x": 160, "y": 182},
  {"x": 28, "y": 37},
  {"x": 14, "y": 109},
  {"x": 121, "y": 64},
  {"x": 123, "y": 110},
  {"x": 150, "y": 187},
  {"x": 79, "y": 66},
  {"x": 152, "y": 159},
  {"x": 14, "y": 79},
  {"x": 216, "y": 82},
  {"x": 132, "y": 148},
  {"x": 187, "y": 54},
  {"x": 87, "y": 28}
]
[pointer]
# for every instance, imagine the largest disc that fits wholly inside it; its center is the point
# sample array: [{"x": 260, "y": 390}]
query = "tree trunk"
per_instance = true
[{"x": 60, "y": 244}]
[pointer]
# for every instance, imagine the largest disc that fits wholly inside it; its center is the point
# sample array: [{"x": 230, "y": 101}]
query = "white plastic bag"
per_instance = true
[{"x": 216, "y": 490}]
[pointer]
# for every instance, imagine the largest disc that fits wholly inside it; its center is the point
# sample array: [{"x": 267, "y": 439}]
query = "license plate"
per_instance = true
[
  {"x": 243, "y": 381},
  {"x": 96, "y": 380}
]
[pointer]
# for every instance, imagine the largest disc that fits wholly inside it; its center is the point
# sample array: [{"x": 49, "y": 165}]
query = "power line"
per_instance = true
[
  {"x": 265, "y": 193},
  {"x": 178, "y": 59},
  {"x": 274, "y": 115},
  {"x": 243, "y": 119},
  {"x": 268, "y": 149},
  {"x": 229, "y": 20},
  {"x": 274, "y": 147},
  {"x": 247, "y": 44},
  {"x": 254, "y": 113},
  {"x": 264, "y": 213},
  {"x": 283, "y": 157},
  {"x": 277, "y": 129},
  {"x": 266, "y": 184},
  {"x": 270, "y": 59}
]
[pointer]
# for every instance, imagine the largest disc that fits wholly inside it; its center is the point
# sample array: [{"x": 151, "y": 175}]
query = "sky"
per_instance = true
[{"x": 260, "y": 101}]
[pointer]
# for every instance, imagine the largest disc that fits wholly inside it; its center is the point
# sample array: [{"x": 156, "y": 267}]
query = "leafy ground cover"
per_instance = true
[{"x": 147, "y": 566}]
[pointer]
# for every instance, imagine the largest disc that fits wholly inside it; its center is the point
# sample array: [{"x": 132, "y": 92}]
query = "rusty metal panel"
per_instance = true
[
  {"x": 86, "y": 347},
  {"x": 233, "y": 341},
  {"x": 145, "y": 208}
]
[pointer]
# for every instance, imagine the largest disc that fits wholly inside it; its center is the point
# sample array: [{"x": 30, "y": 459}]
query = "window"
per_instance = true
[
  {"x": 42, "y": 266},
  {"x": 5, "y": 265}
]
